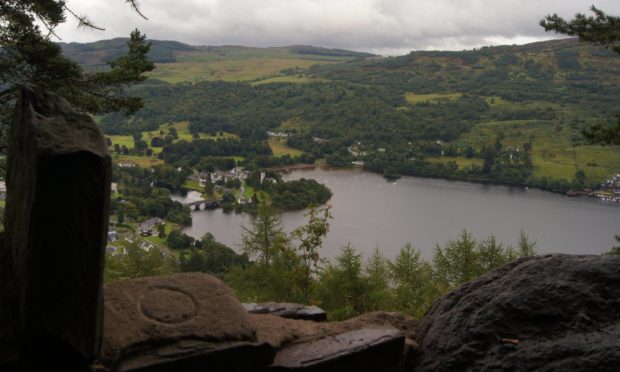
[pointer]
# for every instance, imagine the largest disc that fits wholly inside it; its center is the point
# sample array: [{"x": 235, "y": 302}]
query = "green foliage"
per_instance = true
[
  {"x": 135, "y": 262},
  {"x": 343, "y": 288},
  {"x": 284, "y": 267},
  {"x": 457, "y": 262},
  {"x": 179, "y": 240},
  {"x": 298, "y": 194},
  {"x": 412, "y": 280},
  {"x": 525, "y": 247},
  {"x": 308, "y": 239},
  {"x": 146, "y": 193},
  {"x": 263, "y": 235},
  {"x": 212, "y": 257},
  {"x": 600, "y": 29}
]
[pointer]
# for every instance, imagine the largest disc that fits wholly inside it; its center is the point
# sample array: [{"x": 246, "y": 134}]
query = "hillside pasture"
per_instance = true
[
  {"x": 415, "y": 98},
  {"x": 279, "y": 147},
  {"x": 183, "y": 133}
]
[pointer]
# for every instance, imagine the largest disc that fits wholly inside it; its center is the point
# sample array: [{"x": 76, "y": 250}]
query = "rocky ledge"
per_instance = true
[{"x": 554, "y": 312}]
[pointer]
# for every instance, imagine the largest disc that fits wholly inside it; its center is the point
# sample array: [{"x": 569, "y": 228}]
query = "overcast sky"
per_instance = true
[{"x": 379, "y": 26}]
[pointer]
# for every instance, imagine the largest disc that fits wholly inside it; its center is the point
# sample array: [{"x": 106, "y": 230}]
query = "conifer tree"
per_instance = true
[
  {"x": 30, "y": 56},
  {"x": 600, "y": 29}
]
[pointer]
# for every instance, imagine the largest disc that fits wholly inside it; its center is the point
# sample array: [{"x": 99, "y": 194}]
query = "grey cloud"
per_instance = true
[{"x": 387, "y": 26}]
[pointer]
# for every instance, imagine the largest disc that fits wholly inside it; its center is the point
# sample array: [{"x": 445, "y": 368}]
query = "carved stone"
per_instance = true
[
  {"x": 190, "y": 321},
  {"x": 58, "y": 180}
]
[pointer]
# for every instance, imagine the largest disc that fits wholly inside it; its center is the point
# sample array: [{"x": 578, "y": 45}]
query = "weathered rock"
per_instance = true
[
  {"x": 547, "y": 313},
  {"x": 281, "y": 332},
  {"x": 367, "y": 349},
  {"x": 288, "y": 310},
  {"x": 58, "y": 181},
  {"x": 184, "y": 322}
]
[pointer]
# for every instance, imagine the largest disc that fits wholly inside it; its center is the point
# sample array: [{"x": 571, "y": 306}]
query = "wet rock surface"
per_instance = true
[
  {"x": 58, "y": 181},
  {"x": 184, "y": 320},
  {"x": 547, "y": 313},
  {"x": 303, "y": 335},
  {"x": 288, "y": 310},
  {"x": 366, "y": 349}
]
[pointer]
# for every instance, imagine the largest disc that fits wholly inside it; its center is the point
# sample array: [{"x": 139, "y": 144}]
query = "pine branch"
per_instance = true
[
  {"x": 83, "y": 20},
  {"x": 135, "y": 5}
]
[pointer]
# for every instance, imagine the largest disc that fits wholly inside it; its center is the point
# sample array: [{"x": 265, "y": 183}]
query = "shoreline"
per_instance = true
[{"x": 483, "y": 181}]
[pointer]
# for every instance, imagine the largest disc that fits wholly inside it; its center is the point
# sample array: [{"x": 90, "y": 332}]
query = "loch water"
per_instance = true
[{"x": 369, "y": 211}]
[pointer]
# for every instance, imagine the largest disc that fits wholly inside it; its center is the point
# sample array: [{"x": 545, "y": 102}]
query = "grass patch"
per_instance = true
[
  {"x": 461, "y": 161},
  {"x": 279, "y": 147},
  {"x": 228, "y": 70},
  {"x": 414, "y": 98},
  {"x": 193, "y": 185},
  {"x": 248, "y": 191},
  {"x": 496, "y": 101},
  {"x": 141, "y": 161},
  {"x": 183, "y": 133},
  {"x": 290, "y": 79},
  {"x": 553, "y": 153}
]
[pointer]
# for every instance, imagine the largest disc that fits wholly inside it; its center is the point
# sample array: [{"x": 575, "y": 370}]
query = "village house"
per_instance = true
[
  {"x": 278, "y": 134},
  {"x": 112, "y": 236},
  {"x": 146, "y": 228}
]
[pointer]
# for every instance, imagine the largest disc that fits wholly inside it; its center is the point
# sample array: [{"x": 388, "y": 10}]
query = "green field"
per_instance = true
[
  {"x": 553, "y": 153},
  {"x": 141, "y": 161},
  {"x": 279, "y": 147},
  {"x": 290, "y": 79},
  {"x": 239, "y": 64},
  {"x": 414, "y": 98},
  {"x": 461, "y": 161},
  {"x": 145, "y": 161}
]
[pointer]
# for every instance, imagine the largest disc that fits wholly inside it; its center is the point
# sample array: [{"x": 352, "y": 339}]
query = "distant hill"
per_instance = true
[
  {"x": 507, "y": 114},
  {"x": 178, "y": 62},
  {"x": 100, "y": 52},
  {"x": 308, "y": 49}
]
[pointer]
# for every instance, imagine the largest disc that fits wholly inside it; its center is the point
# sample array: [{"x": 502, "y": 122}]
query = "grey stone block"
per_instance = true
[{"x": 58, "y": 180}]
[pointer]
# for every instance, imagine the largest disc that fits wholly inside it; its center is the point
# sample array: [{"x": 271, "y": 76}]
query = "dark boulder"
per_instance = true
[{"x": 547, "y": 313}]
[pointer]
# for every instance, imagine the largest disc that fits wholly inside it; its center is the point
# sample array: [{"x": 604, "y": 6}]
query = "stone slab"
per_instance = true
[
  {"x": 288, "y": 310},
  {"x": 367, "y": 349},
  {"x": 192, "y": 319}
]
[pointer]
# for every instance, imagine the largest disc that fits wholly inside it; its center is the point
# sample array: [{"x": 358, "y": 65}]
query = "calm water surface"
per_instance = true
[{"x": 369, "y": 211}]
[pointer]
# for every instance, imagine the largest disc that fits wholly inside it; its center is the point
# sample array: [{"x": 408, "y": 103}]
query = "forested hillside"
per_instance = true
[{"x": 510, "y": 114}]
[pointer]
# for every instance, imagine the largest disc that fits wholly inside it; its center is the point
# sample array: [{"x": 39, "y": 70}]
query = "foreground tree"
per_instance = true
[
  {"x": 30, "y": 57},
  {"x": 600, "y": 29},
  {"x": 260, "y": 236},
  {"x": 343, "y": 289},
  {"x": 308, "y": 239}
]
